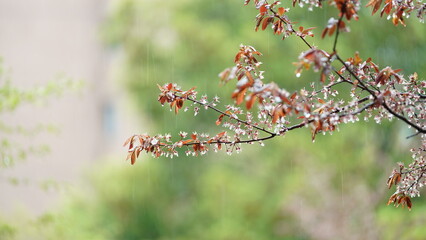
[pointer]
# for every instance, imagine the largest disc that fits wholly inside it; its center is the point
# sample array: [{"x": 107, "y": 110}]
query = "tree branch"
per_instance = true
[
  {"x": 337, "y": 33},
  {"x": 228, "y": 115}
]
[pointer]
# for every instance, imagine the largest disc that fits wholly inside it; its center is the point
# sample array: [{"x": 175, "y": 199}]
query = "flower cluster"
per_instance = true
[
  {"x": 398, "y": 9},
  {"x": 409, "y": 179}
]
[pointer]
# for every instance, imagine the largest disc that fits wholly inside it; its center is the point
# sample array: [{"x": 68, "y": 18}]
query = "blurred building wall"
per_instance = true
[{"x": 40, "y": 39}]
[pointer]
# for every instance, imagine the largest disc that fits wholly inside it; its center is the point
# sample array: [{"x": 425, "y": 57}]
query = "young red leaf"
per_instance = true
[
  {"x": 258, "y": 21},
  {"x": 141, "y": 141},
  {"x": 250, "y": 102},
  {"x": 250, "y": 78},
  {"x": 323, "y": 77},
  {"x": 263, "y": 10},
  {"x": 128, "y": 140},
  {"x": 179, "y": 105},
  {"x": 281, "y": 11},
  {"x": 308, "y": 29},
  {"x": 387, "y": 8},
  {"x": 240, "y": 96},
  {"x": 219, "y": 146},
  {"x": 170, "y": 86},
  {"x": 266, "y": 22},
  {"x": 187, "y": 141},
  {"x": 219, "y": 135},
  {"x": 324, "y": 32},
  {"x": 219, "y": 120},
  {"x": 333, "y": 28},
  {"x": 138, "y": 151},
  {"x": 133, "y": 158},
  {"x": 375, "y": 4},
  {"x": 238, "y": 57},
  {"x": 194, "y": 136},
  {"x": 408, "y": 202}
]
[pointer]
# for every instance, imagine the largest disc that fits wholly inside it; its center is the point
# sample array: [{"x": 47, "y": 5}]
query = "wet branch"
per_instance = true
[{"x": 226, "y": 114}]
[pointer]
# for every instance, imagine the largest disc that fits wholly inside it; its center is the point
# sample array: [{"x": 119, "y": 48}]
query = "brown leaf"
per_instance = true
[
  {"x": 196, "y": 148},
  {"x": 225, "y": 74},
  {"x": 250, "y": 78},
  {"x": 179, "y": 105},
  {"x": 170, "y": 86},
  {"x": 397, "y": 178},
  {"x": 387, "y": 8},
  {"x": 250, "y": 102},
  {"x": 318, "y": 126},
  {"x": 133, "y": 158},
  {"x": 375, "y": 4},
  {"x": 219, "y": 120},
  {"x": 376, "y": 68},
  {"x": 258, "y": 21},
  {"x": 323, "y": 77},
  {"x": 400, "y": 200},
  {"x": 281, "y": 11},
  {"x": 306, "y": 31},
  {"x": 389, "y": 182},
  {"x": 131, "y": 142},
  {"x": 392, "y": 199},
  {"x": 263, "y": 10},
  {"x": 277, "y": 113},
  {"x": 219, "y": 135},
  {"x": 186, "y": 141},
  {"x": 307, "y": 108},
  {"x": 162, "y": 99},
  {"x": 266, "y": 22},
  {"x": 357, "y": 60},
  {"x": 128, "y": 140},
  {"x": 141, "y": 141},
  {"x": 324, "y": 32},
  {"x": 408, "y": 202},
  {"x": 383, "y": 76},
  {"x": 138, "y": 151},
  {"x": 284, "y": 99},
  {"x": 238, "y": 57},
  {"x": 239, "y": 97},
  {"x": 342, "y": 25},
  {"x": 241, "y": 75}
]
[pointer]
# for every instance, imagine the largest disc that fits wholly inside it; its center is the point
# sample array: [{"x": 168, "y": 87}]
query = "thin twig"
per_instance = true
[
  {"x": 294, "y": 31},
  {"x": 418, "y": 128},
  {"x": 413, "y": 135},
  {"x": 228, "y": 115},
  {"x": 337, "y": 34}
]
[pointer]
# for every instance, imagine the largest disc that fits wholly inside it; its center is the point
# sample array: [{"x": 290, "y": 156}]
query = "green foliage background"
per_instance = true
[
  {"x": 11, "y": 98},
  {"x": 289, "y": 189}
]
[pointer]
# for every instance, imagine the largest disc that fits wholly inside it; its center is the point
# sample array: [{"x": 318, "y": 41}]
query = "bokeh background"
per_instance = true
[{"x": 84, "y": 76}]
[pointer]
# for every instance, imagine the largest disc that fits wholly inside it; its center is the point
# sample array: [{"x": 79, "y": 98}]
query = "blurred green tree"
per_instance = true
[
  {"x": 11, "y": 98},
  {"x": 11, "y": 150}
]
